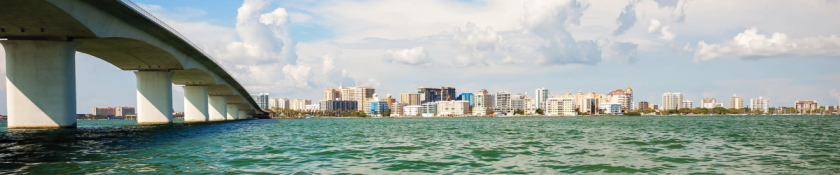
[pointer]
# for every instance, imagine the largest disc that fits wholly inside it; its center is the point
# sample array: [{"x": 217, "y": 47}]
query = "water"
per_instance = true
[{"x": 532, "y": 145}]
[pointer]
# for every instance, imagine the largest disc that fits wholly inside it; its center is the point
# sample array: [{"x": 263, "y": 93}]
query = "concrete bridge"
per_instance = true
[{"x": 43, "y": 36}]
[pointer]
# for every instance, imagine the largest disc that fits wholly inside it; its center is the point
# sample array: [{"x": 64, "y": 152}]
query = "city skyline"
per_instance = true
[{"x": 652, "y": 46}]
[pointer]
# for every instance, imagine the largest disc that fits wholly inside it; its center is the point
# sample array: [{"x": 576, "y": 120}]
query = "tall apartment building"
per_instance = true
[
  {"x": 803, "y": 106},
  {"x": 580, "y": 96},
  {"x": 760, "y": 104},
  {"x": 333, "y": 94},
  {"x": 343, "y": 105},
  {"x": 114, "y": 111},
  {"x": 483, "y": 102},
  {"x": 590, "y": 105},
  {"x": 644, "y": 105},
  {"x": 671, "y": 100},
  {"x": 411, "y": 98},
  {"x": 560, "y": 107},
  {"x": 530, "y": 104},
  {"x": 541, "y": 95},
  {"x": 299, "y": 104},
  {"x": 503, "y": 103},
  {"x": 687, "y": 104},
  {"x": 517, "y": 102},
  {"x": 623, "y": 97},
  {"x": 736, "y": 102},
  {"x": 397, "y": 108},
  {"x": 359, "y": 94},
  {"x": 278, "y": 103},
  {"x": 708, "y": 103},
  {"x": 377, "y": 107},
  {"x": 428, "y": 94},
  {"x": 261, "y": 99},
  {"x": 470, "y": 97}
]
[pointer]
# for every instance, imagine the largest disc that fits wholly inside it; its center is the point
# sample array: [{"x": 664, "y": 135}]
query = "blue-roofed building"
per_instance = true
[{"x": 468, "y": 97}]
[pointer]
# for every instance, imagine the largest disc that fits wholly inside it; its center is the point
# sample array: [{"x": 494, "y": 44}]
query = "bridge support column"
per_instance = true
[
  {"x": 242, "y": 114},
  {"x": 195, "y": 104},
  {"x": 40, "y": 83},
  {"x": 232, "y": 111},
  {"x": 154, "y": 97},
  {"x": 218, "y": 107}
]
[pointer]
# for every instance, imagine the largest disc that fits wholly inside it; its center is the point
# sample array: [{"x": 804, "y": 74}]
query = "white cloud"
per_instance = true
[
  {"x": 619, "y": 52},
  {"x": 373, "y": 82},
  {"x": 666, "y": 34},
  {"x": 299, "y": 17},
  {"x": 415, "y": 56},
  {"x": 297, "y": 75},
  {"x": 549, "y": 20},
  {"x": 510, "y": 61},
  {"x": 750, "y": 44},
  {"x": 473, "y": 44},
  {"x": 654, "y": 25}
]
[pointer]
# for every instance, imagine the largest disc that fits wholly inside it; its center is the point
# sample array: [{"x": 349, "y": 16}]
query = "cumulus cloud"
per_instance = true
[
  {"x": 619, "y": 52},
  {"x": 297, "y": 75},
  {"x": 677, "y": 8},
  {"x": 510, "y": 61},
  {"x": 750, "y": 44},
  {"x": 415, "y": 56},
  {"x": 549, "y": 20},
  {"x": 664, "y": 32},
  {"x": 373, "y": 82},
  {"x": 265, "y": 37},
  {"x": 626, "y": 19},
  {"x": 474, "y": 44},
  {"x": 654, "y": 25}
]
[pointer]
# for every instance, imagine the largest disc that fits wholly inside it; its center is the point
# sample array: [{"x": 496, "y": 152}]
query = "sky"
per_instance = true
[{"x": 783, "y": 51}]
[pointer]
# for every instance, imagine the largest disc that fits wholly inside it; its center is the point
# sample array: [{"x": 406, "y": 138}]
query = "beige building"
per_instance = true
[
  {"x": 708, "y": 103},
  {"x": 736, "y": 102},
  {"x": 332, "y": 94},
  {"x": 644, "y": 105},
  {"x": 411, "y": 98},
  {"x": 560, "y": 107},
  {"x": 397, "y": 108},
  {"x": 803, "y": 106},
  {"x": 113, "y": 111},
  {"x": 278, "y": 103},
  {"x": 671, "y": 101},
  {"x": 483, "y": 103},
  {"x": 452, "y": 108},
  {"x": 580, "y": 96},
  {"x": 359, "y": 94},
  {"x": 299, "y": 104},
  {"x": 623, "y": 97}
]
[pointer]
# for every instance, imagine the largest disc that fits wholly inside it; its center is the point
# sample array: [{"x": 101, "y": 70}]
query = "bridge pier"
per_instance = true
[
  {"x": 232, "y": 111},
  {"x": 242, "y": 115},
  {"x": 218, "y": 107},
  {"x": 154, "y": 97},
  {"x": 40, "y": 83},
  {"x": 195, "y": 104}
]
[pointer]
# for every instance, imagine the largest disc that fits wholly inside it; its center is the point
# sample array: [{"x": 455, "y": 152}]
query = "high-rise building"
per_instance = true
[
  {"x": 541, "y": 95},
  {"x": 377, "y": 107},
  {"x": 591, "y": 105},
  {"x": 359, "y": 94},
  {"x": 530, "y": 104},
  {"x": 342, "y": 105},
  {"x": 332, "y": 94},
  {"x": 299, "y": 104},
  {"x": 580, "y": 96},
  {"x": 708, "y": 103},
  {"x": 560, "y": 107},
  {"x": 644, "y": 105},
  {"x": 411, "y": 98},
  {"x": 736, "y": 102},
  {"x": 804, "y": 106},
  {"x": 397, "y": 108},
  {"x": 760, "y": 104},
  {"x": 261, "y": 99},
  {"x": 278, "y": 103},
  {"x": 687, "y": 104},
  {"x": 503, "y": 103},
  {"x": 623, "y": 97},
  {"x": 436, "y": 94},
  {"x": 483, "y": 103},
  {"x": 470, "y": 97},
  {"x": 114, "y": 111},
  {"x": 671, "y": 101},
  {"x": 517, "y": 102},
  {"x": 452, "y": 108}
]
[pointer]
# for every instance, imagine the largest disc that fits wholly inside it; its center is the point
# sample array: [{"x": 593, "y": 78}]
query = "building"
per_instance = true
[
  {"x": 278, "y": 103},
  {"x": 483, "y": 103},
  {"x": 623, "y": 97},
  {"x": 671, "y": 101},
  {"x": 517, "y": 102},
  {"x": 804, "y": 106},
  {"x": 611, "y": 108},
  {"x": 411, "y": 98},
  {"x": 436, "y": 94},
  {"x": 560, "y": 107},
  {"x": 114, "y": 111},
  {"x": 654, "y": 107},
  {"x": 470, "y": 97},
  {"x": 389, "y": 100},
  {"x": 397, "y": 108},
  {"x": 760, "y": 104},
  {"x": 580, "y": 96},
  {"x": 530, "y": 104},
  {"x": 412, "y": 110},
  {"x": 503, "y": 103},
  {"x": 261, "y": 99},
  {"x": 453, "y": 108},
  {"x": 687, "y": 104},
  {"x": 541, "y": 95},
  {"x": 313, "y": 107},
  {"x": 359, "y": 94},
  {"x": 377, "y": 107},
  {"x": 644, "y": 105},
  {"x": 708, "y": 103},
  {"x": 299, "y": 104},
  {"x": 590, "y": 105},
  {"x": 428, "y": 109},
  {"x": 338, "y": 105},
  {"x": 736, "y": 102},
  {"x": 332, "y": 94}
]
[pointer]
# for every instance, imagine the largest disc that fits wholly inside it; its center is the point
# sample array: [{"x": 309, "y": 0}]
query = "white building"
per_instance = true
[
  {"x": 671, "y": 100},
  {"x": 483, "y": 103},
  {"x": 611, "y": 108},
  {"x": 560, "y": 107},
  {"x": 278, "y": 103},
  {"x": 623, "y": 97},
  {"x": 736, "y": 102},
  {"x": 503, "y": 103},
  {"x": 453, "y": 108},
  {"x": 429, "y": 109},
  {"x": 412, "y": 110},
  {"x": 517, "y": 102},
  {"x": 541, "y": 96},
  {"x": 708, "y": 103},
  {"x": 299, "y": 104},
  {"x": 313, "y": 107},
  {"x": 530, "y": 104},
  {"x": 760, "y": 104},
  {"x": 687, "y": 104},
  {"x": 591, "y": 105}
]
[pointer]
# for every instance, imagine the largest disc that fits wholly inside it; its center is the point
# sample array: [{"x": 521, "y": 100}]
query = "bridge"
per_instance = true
[{"x": 43, "y": 36}]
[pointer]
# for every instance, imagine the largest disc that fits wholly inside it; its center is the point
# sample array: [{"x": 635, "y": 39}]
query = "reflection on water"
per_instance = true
[{"x": 532, "y": 145}]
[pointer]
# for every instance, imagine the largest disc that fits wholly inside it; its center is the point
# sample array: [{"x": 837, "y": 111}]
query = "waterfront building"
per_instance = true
[
  {"x": 453, "y": 108},
  {"x": 503, "y": 103},
  {"x": 671, "y": 100},
  {"x": 470, "y": 97},
  {"x": 412, "y": 110},
  {"x": 736, "y": 102},
  {"x": 397, "y": 108},
  {"x": 428, "y": 109},
  {"x": 591, "y": 105},
  {"x": 623, "y": 97},
  {"x": 611, "y": 108},
  {"x": 708, "y": 103},
  {"x": 517, "y": 102},
  {"x": 687, "y": 104},
  {"x": 377, "y": 106},
  {"x": 299, "y": 104},
  {"x": 359, "y": 94},
  {"x": 278, "y": 103},
  {"x": 644, "y": 105},
  {"x": 389, "y": 100},
  {"x": 411, "y": 98},
  {"x": 760, "y": 104},
  {"x": 654, "y": 107},
  {"x": 332, "y": 94},
  {"x": 580, "y": 96},
  {"x": 804, "y": 106},
  {"x": 313, "y": 107},
  {"x": 560, "y": 107},
  {"x": 261, "y": 99},
  {"x": 483, "y": 102},
  {"x": 541, "y": 95},
  {"x": 530, "y": 104},
  {"x": 114, "y": 111},
  {"x": 436, "y": 94},
  {"x": 342, "y": 105}
]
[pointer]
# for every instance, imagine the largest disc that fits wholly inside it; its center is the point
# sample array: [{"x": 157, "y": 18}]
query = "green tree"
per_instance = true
[
  {"x": 540, "y": 112},
  {"x": 490, "y": 112},
  {"x": 734, "y": 111},
  {"x": 685, "y": 111},
  {"x": 518, "y": 112},
  {"x": 697, "y": 111},
  {"x": 649, "y": 110}
]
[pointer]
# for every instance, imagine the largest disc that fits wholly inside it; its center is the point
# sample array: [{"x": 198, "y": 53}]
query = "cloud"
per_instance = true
[
  {"x": 677, "y": 8},
  {"x": 373, "y": 82},
  {"x": 549, "y": 20},
  {"x": 473, "y": 44},
  {"x": 619, "y": 52},
  {"x": 626, "y": 19},
  {"x": 415, "y": 56},
  {"x": 297, "y": 75},
  {"x": 510, "y": 61},
  {"x": 664, "y": 32},
  {"x": 654, "y": 25},
  {"x": 750, "y": 44}
]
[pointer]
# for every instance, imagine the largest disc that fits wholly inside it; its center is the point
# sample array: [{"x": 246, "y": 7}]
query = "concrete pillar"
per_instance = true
[
  {"x": 218, "y": 107},
  {"x": 40, "y": 83},
  {"x": 242, "y": 114},
  {"x": 195, "y": 104},
  {"x": 154, "y": 97},
  {"x": 232, "y": 111}
]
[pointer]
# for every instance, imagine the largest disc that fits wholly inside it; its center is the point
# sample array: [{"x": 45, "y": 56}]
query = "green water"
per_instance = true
[{"x": 532, "y": 145}]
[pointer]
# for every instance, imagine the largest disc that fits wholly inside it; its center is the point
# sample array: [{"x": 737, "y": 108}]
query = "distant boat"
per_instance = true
[{"x": 308, "y": 116}]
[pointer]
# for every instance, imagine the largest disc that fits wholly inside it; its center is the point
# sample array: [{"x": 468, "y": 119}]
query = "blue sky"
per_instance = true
[{"x": 781, "y": 50}]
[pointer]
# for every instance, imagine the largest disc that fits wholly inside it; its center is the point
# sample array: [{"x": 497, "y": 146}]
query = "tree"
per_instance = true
[
  {"x": 734, "y": 111},
  {"x": 772, "y": 111},
  {"x": 697, "y": 111},
  {"x": 685, "y": 110},
  {"x": 518, "y": 112},
  {"x": 665, "y": 112},
  {"x": 649, "y": 110},
  {"x": 540, "y": 112},
  {"x": 386, "y": 114},
  {"x": 490, "y": 112},
  {"x": 719, "y": 110}
]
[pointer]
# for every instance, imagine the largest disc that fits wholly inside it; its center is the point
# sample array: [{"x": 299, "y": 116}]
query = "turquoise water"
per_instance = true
[{"x": 528, "y": 145}]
